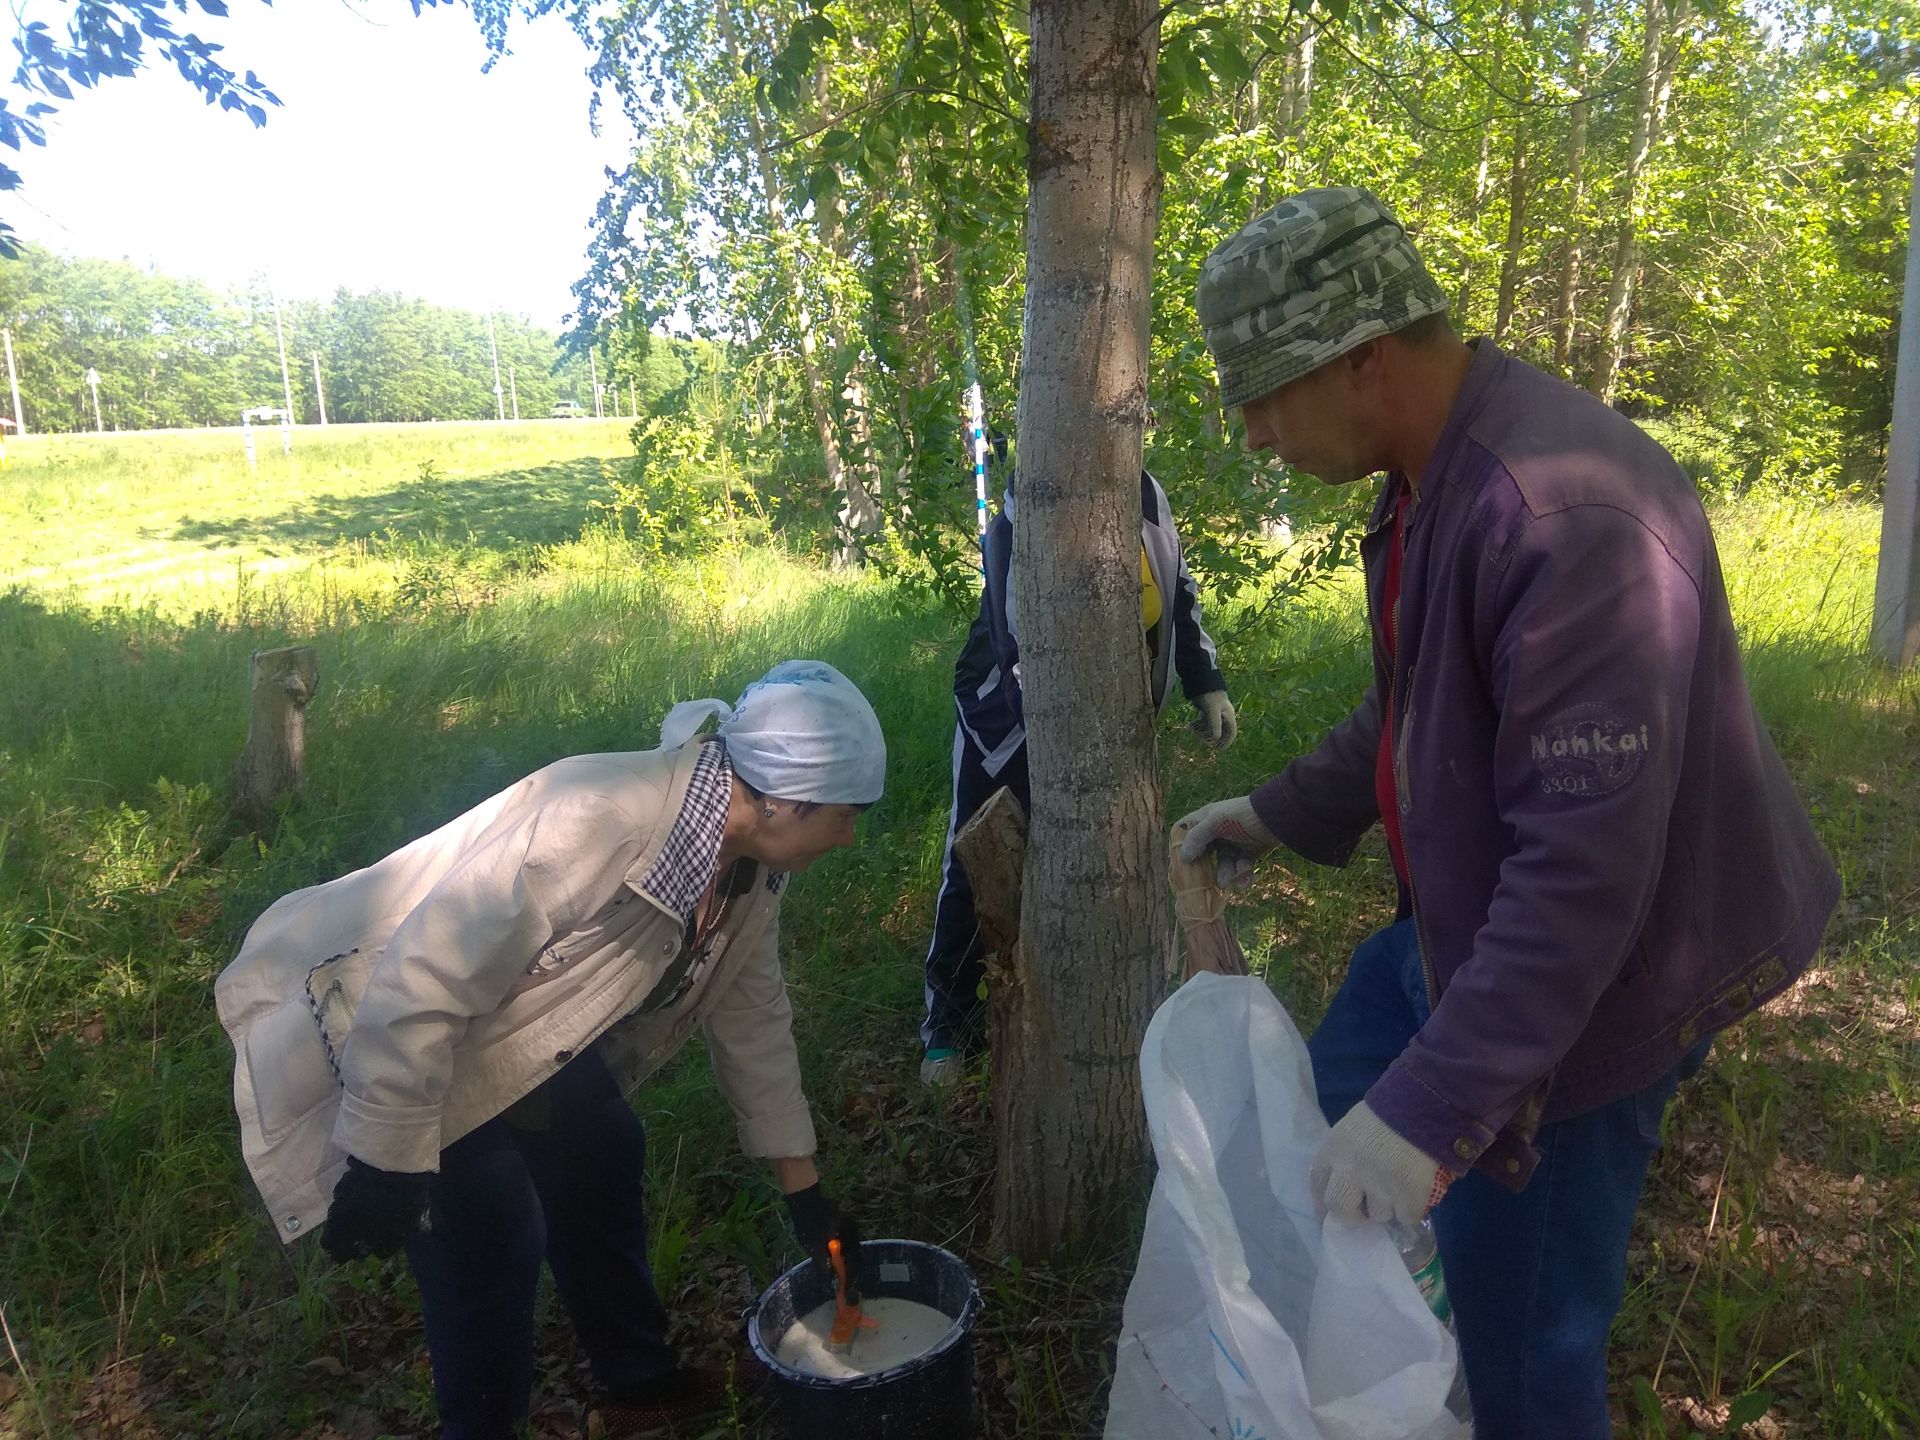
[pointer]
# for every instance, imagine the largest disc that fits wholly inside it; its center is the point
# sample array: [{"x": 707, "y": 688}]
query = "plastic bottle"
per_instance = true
[{"x": 1421, "y": 1255}]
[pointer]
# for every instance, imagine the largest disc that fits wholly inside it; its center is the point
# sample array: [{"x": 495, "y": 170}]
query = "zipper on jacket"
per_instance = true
[{"x": 1398, "y": 740}]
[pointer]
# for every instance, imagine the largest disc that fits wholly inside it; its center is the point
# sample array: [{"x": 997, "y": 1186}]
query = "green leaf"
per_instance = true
[
  {"x": 1748, "y": 1408},
  {"x": 838, "y": 146},
  {"x": 1228, "y": 61},
  {"x": 1193, "y": 78},
  {"x": 1647, "y": 1401}
]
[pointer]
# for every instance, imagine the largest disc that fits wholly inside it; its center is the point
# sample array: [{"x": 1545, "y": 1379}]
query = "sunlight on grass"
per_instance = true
[{"x": 474, "y": 621}]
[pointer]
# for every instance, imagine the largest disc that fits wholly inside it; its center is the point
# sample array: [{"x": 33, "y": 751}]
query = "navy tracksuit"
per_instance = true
[{"x": 990, "y": 740}]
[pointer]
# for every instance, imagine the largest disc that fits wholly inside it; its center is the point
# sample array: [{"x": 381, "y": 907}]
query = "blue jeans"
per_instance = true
[
  {"x": 558, "y": 1177},
  {"x": 1535, "y": 1278}
]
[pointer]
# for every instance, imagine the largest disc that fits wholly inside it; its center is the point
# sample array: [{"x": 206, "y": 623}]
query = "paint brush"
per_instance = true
[{"x": 848, "y": 1322}]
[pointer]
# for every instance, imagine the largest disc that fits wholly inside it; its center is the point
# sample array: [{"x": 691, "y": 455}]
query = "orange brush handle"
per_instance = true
[{"x": 847, "y": 1319}]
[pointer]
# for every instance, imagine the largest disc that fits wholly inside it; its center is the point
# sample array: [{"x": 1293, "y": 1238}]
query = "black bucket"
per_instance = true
[{"x": 929, "y": 1397}]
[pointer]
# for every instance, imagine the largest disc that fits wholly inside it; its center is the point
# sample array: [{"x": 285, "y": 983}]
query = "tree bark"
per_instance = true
[
  {"x": 1896, "y": 590},
  {"x": 1297, "y": 97},
  {"x": 1656, "y": 84},
  {"x": 1093, "y": 921},
  {"x": 1576, "y": 196},
  {"x": 274, "y": 761}
]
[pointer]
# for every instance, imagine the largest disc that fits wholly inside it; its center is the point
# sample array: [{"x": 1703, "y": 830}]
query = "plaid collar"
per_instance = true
[{"x": 681, "y": 872}]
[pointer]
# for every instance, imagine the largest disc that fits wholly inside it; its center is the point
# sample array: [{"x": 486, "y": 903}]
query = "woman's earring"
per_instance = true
[{"x": 768, "y": 812}]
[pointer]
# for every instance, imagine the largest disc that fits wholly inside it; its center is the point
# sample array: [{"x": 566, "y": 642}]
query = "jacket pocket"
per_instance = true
[
  {"x": 617, "y": 925},
  {"x": 288, "y": 1067}
]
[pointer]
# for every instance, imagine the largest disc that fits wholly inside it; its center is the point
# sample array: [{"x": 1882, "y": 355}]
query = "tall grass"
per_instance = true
[{"x": 146, "y": 1292}]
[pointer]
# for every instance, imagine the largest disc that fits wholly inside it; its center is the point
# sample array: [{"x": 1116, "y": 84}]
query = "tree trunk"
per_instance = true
[
  {"x": 1896, "y": 590},
  {"x": 1482, "y": 179},
  {"x": 918, "y": 375},
  {"x": 1576, "y": 196},
  {"x": 1297, "y": 97},
  {"x": 1093, "y": 921},
  {"x": 274, "y": 762},
  {"x": 858, "y": 519},
  {"x": 1516, "y": 205},
  {"x": 812, "y": 374},
  {"x": 1656, "y": 83}
]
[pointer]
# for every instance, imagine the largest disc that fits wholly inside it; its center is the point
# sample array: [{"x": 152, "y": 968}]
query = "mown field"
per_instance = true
[{"x": 475, "y": 619}]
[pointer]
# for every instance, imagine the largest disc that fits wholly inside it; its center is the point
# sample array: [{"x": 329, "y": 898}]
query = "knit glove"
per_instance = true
[
  {"x": 374, "y": 1212},
  {"x": 1201, "y": 905},
  {"x": 1367, "y": 1170},
  {"x": 1232, "y": 830},
  {"x": 816, "y": 1220},
  {"x": 1216, "y": 723},
  {"x": 1197, "y": 897}
]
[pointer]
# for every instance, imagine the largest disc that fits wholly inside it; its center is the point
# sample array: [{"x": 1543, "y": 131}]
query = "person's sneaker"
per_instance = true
[
  {"x": 940, "y": 1067},
  {"x": 651, "y": 1411}
]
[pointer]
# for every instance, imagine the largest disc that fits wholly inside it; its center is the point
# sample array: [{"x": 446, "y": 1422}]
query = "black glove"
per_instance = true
[
  {"x": 816, "y": 1220},
  {"x": 374, "y": 1212}
]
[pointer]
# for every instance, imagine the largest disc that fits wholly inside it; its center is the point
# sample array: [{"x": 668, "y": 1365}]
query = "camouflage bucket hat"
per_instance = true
[{"x": 1315, "y": 276}]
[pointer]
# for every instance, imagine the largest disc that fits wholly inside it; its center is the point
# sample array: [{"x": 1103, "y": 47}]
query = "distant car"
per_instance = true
[{"x": 567, "y": 410}]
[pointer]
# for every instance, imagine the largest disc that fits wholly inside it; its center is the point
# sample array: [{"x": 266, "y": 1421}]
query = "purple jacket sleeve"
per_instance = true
[
  {"x": 1323, "y": 802},
  {"x": 1598, "y": 626}
]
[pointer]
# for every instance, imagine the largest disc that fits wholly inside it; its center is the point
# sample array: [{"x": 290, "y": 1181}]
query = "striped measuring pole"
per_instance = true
[{"x": 977, "y": 418}]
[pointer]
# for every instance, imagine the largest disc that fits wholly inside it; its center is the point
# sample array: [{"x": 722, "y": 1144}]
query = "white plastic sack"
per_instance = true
[{"x": 1249, "y": 1316}]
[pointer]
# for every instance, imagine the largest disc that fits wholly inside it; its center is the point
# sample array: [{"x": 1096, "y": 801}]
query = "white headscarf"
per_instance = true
[{"x": 802, "y": 731}]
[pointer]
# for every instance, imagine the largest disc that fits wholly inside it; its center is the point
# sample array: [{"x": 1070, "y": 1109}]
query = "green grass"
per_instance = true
[
  {"x": 469, "y": 631},
  {"x": 177, "y": 519}
]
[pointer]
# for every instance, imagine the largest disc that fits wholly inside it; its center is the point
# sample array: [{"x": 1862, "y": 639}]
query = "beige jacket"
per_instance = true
[{"x": 387, "y": 1013}]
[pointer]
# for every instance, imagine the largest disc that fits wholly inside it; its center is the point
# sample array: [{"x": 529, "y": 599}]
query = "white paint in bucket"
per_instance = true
[{"x": 907, "y": 1329}]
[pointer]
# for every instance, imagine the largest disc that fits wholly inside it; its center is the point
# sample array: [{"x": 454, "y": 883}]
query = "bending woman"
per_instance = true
[{"x": 434, "y": 1052}]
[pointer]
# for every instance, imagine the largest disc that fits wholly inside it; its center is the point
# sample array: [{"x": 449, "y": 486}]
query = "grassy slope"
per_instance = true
[
  {"x": 176, "y": 519},
  {"x": 149, "y": 1299}
]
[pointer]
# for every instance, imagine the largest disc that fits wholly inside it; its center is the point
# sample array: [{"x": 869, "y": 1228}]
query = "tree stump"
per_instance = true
[{"x": 274, "y": 762}]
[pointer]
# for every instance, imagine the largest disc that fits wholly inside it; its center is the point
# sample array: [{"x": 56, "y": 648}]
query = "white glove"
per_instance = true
[
  {"x": 1230, "y": 829},
  {"x": 1216, "y": 723},
  {"x": 1367, "y": 1170}
]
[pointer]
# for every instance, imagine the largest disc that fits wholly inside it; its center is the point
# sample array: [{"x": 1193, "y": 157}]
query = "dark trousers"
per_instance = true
[
  {"x": 556, "y": 1178},
  {"x": 1535, "y": 1278},
  {"x": 956, "y": 960}
]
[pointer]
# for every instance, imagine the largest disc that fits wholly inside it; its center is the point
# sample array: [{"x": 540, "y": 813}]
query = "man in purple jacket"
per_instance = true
[{"x": 1601, "y": 859}]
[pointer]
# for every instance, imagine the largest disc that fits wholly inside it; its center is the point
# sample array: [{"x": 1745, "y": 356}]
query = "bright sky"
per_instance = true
[{"x": 392, "y": 163}]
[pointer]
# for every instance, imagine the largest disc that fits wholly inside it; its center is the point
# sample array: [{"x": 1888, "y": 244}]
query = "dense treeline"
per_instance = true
[
  {"x": 1695, "y": 209},
  {"x": 173, "y": 352}
]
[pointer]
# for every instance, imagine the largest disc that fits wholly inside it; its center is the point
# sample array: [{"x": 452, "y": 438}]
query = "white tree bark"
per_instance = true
[
  {"x": 1896, "y": 593},
  {"x": 1576, "y": 196},
  {"x": 1657, "y": 60}
]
